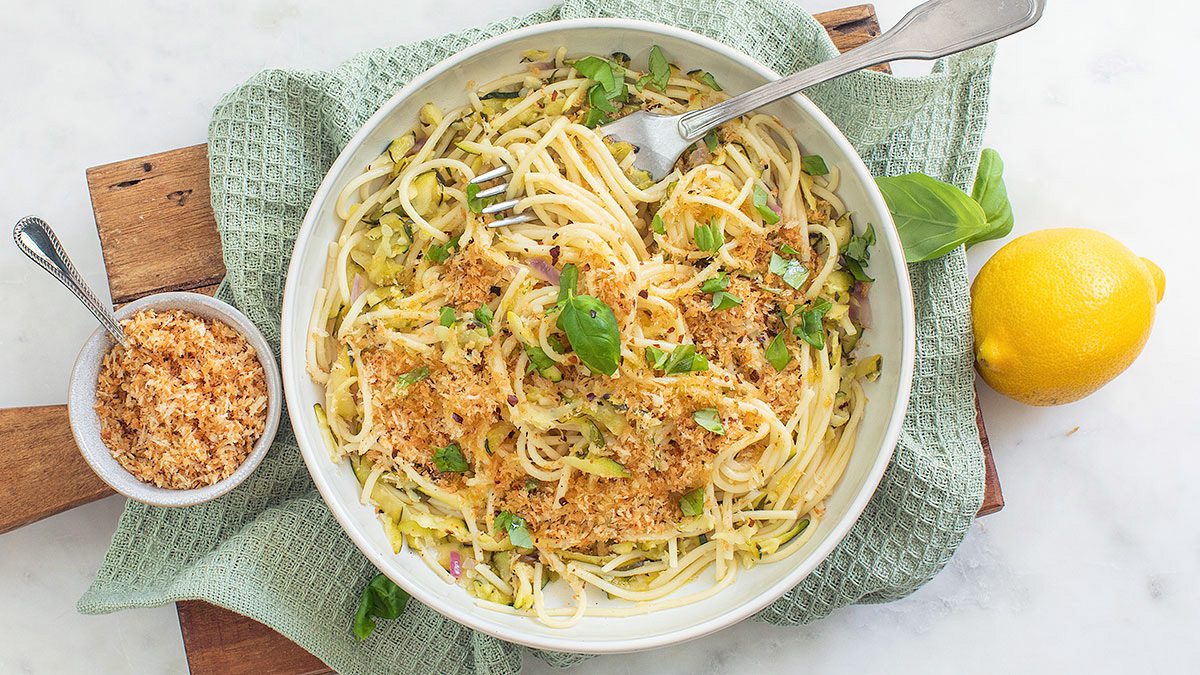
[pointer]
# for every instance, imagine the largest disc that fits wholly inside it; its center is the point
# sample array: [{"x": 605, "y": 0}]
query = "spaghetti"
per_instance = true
[{"x": 647, "y": 382}]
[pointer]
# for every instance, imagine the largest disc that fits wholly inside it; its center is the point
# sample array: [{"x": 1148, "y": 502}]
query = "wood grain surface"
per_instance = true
[{"x": 158, "y": 233}]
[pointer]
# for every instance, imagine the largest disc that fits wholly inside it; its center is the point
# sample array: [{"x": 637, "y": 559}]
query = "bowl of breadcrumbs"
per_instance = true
[{"x": 183, "y": 413}]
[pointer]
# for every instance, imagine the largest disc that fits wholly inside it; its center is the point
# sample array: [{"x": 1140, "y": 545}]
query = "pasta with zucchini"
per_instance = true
[{"x": 647, "y": 384}]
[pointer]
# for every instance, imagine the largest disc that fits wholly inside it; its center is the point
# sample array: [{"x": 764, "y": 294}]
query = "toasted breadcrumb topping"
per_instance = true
[{"x": 183, "y": 405}]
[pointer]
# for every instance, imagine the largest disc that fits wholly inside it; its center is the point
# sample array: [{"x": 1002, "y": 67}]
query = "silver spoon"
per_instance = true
[{"x": 36, "y": 240}]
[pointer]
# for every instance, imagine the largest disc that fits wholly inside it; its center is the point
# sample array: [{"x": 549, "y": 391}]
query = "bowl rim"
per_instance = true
[
  {"x": 313, "y": 451},
  {"x": 83, "y": 419}
]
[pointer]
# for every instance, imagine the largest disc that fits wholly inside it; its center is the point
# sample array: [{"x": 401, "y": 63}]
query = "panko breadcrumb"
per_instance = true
[{"x": 183, "y": 405}]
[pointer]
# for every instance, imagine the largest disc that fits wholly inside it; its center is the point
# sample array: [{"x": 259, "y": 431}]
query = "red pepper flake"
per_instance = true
[
  {"x": 456, "y": 417},
  {"x": 512, "y": 400},
  {"x": 643, "y": 294},
  {"x": 555, "y": 251}
]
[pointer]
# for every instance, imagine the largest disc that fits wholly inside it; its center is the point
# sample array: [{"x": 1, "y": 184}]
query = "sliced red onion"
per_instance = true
[
  {"x": 699, "y": 156},
  {"x": 860, "y": 306},
  {"x": 455, "y": 564},
  {"x": 773, "y": 204},
  {"x": 357, "y": 289},
  {"x": 541, "y": 65},
  {"x": 416, "y": 146},
  {"x": 543, "y": 270}
]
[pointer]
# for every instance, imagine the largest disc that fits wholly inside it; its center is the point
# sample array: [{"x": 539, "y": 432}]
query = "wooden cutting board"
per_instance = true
[{"x": 158, "y": 233}]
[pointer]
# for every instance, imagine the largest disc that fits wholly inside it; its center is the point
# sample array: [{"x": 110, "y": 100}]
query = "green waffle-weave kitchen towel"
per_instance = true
[{"x": 271, "y": 549}]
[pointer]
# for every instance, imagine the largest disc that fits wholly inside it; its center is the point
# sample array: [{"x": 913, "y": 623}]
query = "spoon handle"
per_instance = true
[
  {"x": 934, "y": 29},
  {"x": 36, "y": 240}
]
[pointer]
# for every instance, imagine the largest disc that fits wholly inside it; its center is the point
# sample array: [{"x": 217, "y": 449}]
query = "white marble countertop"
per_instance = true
[{"x": 1092, "y": 566}]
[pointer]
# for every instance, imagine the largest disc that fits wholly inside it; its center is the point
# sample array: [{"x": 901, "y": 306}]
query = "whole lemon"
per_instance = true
[{"x": 1060, "y": 312}]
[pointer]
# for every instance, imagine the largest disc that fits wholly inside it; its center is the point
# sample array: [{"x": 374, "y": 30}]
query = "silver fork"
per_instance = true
[{"x": 932, "y": 30}]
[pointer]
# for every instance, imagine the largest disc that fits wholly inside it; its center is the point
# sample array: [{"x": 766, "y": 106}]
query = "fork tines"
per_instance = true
[{"x": 496, "y": 191}]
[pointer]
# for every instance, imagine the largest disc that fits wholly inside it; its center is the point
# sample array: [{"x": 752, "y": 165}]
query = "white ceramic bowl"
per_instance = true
[
  {"x": 81, "y": 404},
  {"x": 892, "y": 335}
]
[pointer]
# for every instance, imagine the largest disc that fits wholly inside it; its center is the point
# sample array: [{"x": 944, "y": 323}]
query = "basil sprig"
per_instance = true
[
  {"x": 692, "y": 502},
  {"x": 590, "y": 325},
  {"x": 382, "y": 599},
  {"x": 450, "y": 459},
  {"x": 515, "y": 527},
  {"x": 934, "y": 217}
]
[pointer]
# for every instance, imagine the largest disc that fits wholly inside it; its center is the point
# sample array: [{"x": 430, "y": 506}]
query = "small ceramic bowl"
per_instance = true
[{"x": 85, "y": 425}]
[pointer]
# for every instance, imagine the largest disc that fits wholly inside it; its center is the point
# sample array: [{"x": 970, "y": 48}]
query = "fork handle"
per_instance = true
[{"x": 932, "y": 30}]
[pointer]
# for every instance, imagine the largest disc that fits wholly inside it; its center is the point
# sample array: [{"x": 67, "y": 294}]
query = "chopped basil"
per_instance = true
[
  {"x": 556, "y": 344},
  {"x": 692, "y": 503},
  {"x": 474, "y": 202},
  {"x": 446, "y": 318},
  {"x": 684, "y": 359},
  {"x": 516, "y": 528},
  {"x": 567, "y": 281},
  {"x": 711, "y": 141},
  {"x": 717, "y": 283},
  {"x": 777, "y": 353},
  {"x": 792, "y": 271},
  {"x": 601, "y": 70},
  {"x": 655, "y": 357},
  {"x": 412, "y": 377},
  {"x": 500, "y": 94},
  {"x": 656, "y": 224},
  {"x": 450, "y": 459},
  {"x": 484, "y": 316},
  {"x": 538, "y": 360},
  {"x": 724, "y": 300},
  {"x": 705, "y": 77},
  {"x": 814, "y": 165},
  {"x": 810, "y": 328},
  {"x": 599, "y": 100},
  {"x": 382, "y": 599},
  {"x": 609, "y": 87},
  {"x": 595, "y": 118},
  {"x": 760, "y": 200},
  {"x": 660, "y": 71},
  {"x": 439, "y": 253},
  {"x": 709, "y": 419},
  {"x": 857, "y": 253},
  {"x": 709, "y": 238},
  {"x": 787, "y": 249},
  {"x": 592, "y": 328}
]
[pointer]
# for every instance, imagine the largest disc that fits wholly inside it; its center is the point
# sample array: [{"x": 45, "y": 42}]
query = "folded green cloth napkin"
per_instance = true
[{"x": 271, "y": 550}]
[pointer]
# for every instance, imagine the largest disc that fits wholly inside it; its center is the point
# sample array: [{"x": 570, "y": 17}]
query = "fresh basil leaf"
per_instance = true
[
  {"x": 992, "y": 196},
  {"x": 598, "y": 99},
  {"x": 810, "y": 329},
  {"x": 792, "y": 271},
  {"x": 814, "y": 165},
  {"x": 711, "y": 141},
  {"x": 723, "y": 300},
  {"x": 591, "y": 327},
  {"x": 656, "y": 224},
  {"x": 660, "y": 70},
  {"x": 516, "y": 528},
  {"x": 692, "y": 503},
  {"x": 568, "y": 280},
  {"x": 655, "y": 357},
  {"x": 777, "y": 353},
  {"x": 595, "y": 118},
  {"x": 412, "y": 377},
  {"x": 446, "y": 317},
  {"x": 381, "y": 598},
  {"x": 685, "y": 359},
  {"x": 450, "y": 459},
  {"x": 484, "y": 316},
  {"x": 704, "y": 77},
  {"x": 932, "y": 217},
  {"x": 709, "y": 419},
  {"x": 717, "y": 283},
  {"x": 760, "y": 199},
  {"x": 857, "y": 254},
  {"x": 439, "y": 253},
  {"x": 709, "y": 238},
  {"x": 600, "y": 70}
]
